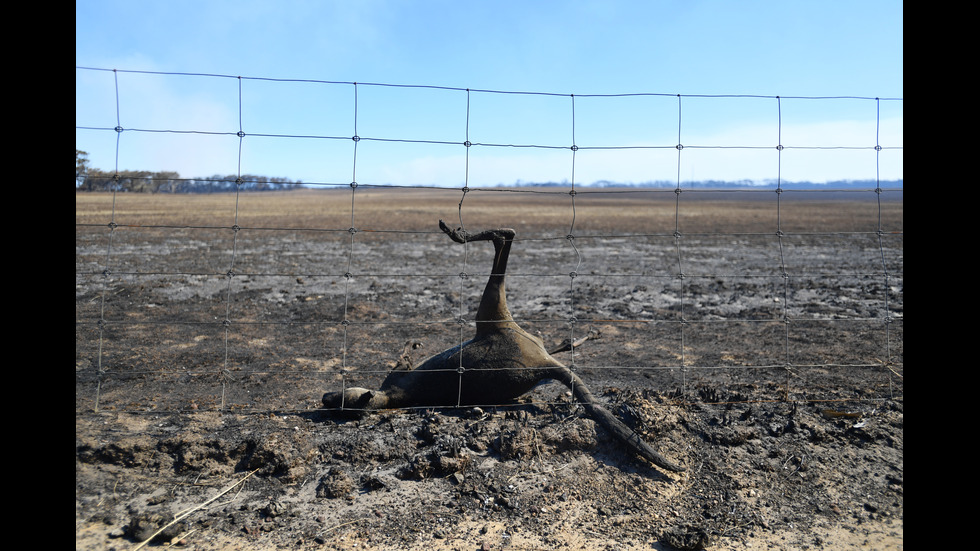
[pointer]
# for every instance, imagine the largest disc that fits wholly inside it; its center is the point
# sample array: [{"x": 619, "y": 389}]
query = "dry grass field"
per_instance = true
[
  {"x": 537, "y": 211},
  {"x": 208, "y": 327}
]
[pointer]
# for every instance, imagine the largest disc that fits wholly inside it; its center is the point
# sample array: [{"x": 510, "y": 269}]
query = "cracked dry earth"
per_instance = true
[{"x": 792, "y": 432}]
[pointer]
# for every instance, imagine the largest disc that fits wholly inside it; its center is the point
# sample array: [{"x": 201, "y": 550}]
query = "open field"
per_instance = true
[
  {"x": 537, "y": 211},
  {"x": 770, "y": 364}
]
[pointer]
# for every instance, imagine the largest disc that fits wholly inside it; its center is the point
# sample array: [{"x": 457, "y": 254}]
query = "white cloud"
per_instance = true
[{"x": 158, "y": 104}]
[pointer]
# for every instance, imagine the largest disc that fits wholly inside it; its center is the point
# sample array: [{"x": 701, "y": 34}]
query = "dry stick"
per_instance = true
[
  {"x": 186, "y": 512},
  {"x": 331, "y": 529},
  {"x": 567, "y": 345}
]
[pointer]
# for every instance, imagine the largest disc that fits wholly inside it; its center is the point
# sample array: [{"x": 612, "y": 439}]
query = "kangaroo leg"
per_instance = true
[
  {"x": 493, "y": 314},
  {"x": 618, "y": 429},
  {"x": 355, "y": 398}
]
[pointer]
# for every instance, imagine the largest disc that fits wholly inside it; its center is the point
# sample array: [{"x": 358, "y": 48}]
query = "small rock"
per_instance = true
[
  {"x": 686, "y": 537},
  {"x": 141, "y": 527},
  {"x": 334, "y": 484},
  {"x": 274, "y": 509}
]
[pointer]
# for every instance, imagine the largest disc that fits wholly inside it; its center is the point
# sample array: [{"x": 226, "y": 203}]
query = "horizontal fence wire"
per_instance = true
[{"x": 97, "y": 332}]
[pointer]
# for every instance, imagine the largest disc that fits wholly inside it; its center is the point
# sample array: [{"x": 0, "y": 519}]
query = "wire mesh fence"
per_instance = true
[{"x": 253, "y": 301}]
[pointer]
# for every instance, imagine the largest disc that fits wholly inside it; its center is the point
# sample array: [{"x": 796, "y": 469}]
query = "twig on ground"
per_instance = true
[
  {"x": 186, "y": 512},
  {"x": 332, "y": 528}
]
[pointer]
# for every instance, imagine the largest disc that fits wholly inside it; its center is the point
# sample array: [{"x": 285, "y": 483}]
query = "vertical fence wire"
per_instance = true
[
  {"x": 107, "y": 266},
  {"x": 682, "y": 326},
  {"x": 460, "y": 324},
  {"x": 225, "y": 374},
  {"x": 349, "y": 273},
  {"x": 578, "y": 256},
  {"x": 886, "y": 274},
  {"x": 783, "y": 274}
]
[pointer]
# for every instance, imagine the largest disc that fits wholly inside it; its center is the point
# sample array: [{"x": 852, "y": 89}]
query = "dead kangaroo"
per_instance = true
[{"x": 499, "y": 364}]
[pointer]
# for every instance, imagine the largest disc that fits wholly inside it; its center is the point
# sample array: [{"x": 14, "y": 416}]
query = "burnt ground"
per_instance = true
[{"x": 784, "y": 397}]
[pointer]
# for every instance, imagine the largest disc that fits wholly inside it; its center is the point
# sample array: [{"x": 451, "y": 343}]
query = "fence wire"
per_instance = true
[{"x": 97, "y": 325}]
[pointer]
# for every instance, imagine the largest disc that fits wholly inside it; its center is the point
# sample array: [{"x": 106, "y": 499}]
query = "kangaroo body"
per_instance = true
[{"x": 500, "y": 363}]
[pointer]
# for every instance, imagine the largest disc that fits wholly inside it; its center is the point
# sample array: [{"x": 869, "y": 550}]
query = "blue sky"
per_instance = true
[{"x": 586, "y": 48}]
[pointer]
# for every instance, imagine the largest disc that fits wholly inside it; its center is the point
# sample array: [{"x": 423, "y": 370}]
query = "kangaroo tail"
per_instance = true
[{"x": 619, "y": 429}]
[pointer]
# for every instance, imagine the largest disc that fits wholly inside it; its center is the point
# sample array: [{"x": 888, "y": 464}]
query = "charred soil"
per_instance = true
[{"x": 197, "y": 396}]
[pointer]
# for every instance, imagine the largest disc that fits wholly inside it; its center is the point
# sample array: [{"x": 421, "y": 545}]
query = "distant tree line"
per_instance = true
[{"x": 145, "y": 181}]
